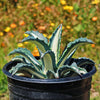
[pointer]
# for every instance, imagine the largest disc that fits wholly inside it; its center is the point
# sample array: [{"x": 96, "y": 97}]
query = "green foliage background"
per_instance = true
[{"x": 45, "y": 16}]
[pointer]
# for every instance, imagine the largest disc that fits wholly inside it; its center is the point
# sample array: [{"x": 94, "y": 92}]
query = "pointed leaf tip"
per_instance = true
[
  {"x": 60, "y": 26},
  {"x": 26, "y": 53},
  {"x": 71, "y": 48},
  {"x": 55, "y": 42},
  {"x": 38, "y": 35},
  {"x": 38, "y": 42}
]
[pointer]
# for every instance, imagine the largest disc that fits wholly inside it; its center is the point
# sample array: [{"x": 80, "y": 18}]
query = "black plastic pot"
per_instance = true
[{"x": 75, "y": 88}]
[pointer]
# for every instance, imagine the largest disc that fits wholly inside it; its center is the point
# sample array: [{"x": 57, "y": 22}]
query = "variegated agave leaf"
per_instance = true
[
  {"x": 21, "y": 59},
  {"x": 82, "y": 70},
  {"x": 42, "y": 46},
  {"x": 12, "y": 69},
  {"x": 68, "y": 74},
  {"x": 51, "y": 74},
  {"x": 38, "y": 35},
  {"x": 55, "y": 42},
  {"x": 68, "y": 60},
  {"x": 84, "y": 61},
  {"x": 28, "y": 68},
  {"x": 48, "y": 60},
  {"x": 72, "y": 70},
  {"x": 24, "y": 73},
  {"x": 26, "y": 53},
  {"x": 71, "y": 48}
]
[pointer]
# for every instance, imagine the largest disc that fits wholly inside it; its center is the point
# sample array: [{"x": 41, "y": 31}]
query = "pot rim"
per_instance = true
[{"x": 48, "y": 81}]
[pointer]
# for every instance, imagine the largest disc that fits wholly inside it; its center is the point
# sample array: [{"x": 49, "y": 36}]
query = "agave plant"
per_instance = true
[{"x": 51, "y": 64}]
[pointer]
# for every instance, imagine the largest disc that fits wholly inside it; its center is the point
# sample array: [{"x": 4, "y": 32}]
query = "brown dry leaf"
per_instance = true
[{"x": 94, "y": 94}]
